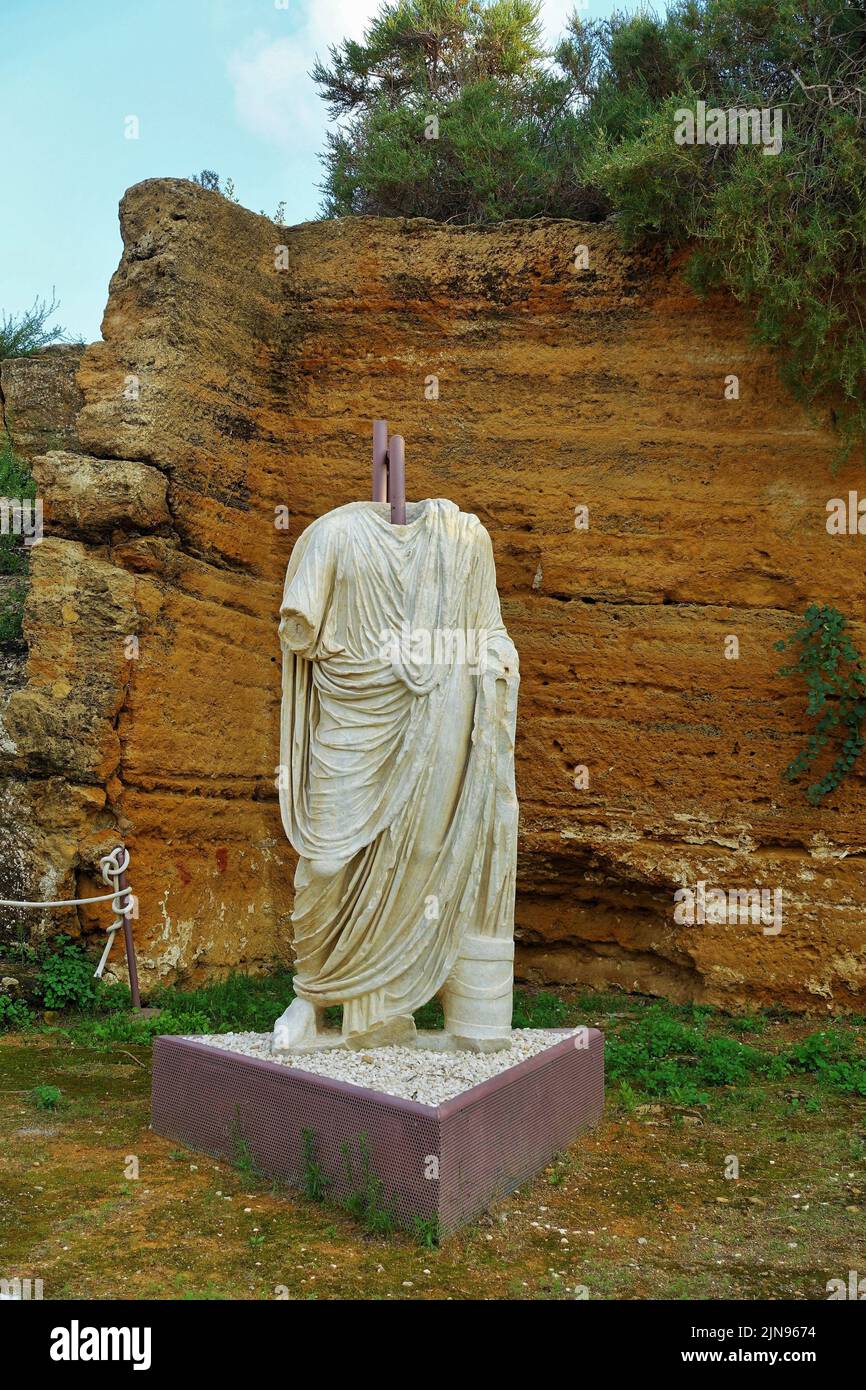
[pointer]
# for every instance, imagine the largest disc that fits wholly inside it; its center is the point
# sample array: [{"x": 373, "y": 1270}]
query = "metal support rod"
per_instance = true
[
  {"x": 380, "y": 460},
  {"x": 397, "y": 479},
  {"x": 131, "y": 964}
]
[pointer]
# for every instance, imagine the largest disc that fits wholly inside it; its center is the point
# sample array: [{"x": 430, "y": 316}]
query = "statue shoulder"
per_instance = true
[
  {"x": 476, "y": 532},
  {"x": 330, "y": 524}
]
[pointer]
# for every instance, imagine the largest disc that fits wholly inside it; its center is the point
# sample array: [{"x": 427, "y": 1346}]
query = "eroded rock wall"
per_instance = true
[{"x": 241, "y": 369}]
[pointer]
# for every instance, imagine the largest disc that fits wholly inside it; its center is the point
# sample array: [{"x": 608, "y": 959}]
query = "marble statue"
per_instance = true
[{"x": 397, "y": 751}]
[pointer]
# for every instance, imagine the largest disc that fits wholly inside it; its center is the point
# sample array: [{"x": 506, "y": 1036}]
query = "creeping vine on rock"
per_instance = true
[{"x": 836, "y": 684}]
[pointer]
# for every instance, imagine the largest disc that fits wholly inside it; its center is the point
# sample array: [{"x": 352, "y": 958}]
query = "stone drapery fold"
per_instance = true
[{"x": 397, "y": 745}]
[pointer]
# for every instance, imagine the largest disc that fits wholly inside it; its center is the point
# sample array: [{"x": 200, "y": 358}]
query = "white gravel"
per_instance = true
[{"x": 428, "y": 1075}]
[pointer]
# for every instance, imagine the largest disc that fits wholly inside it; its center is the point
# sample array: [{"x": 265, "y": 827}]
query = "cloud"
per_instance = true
[
  {"x": 273, "y": 94},
  {"x": 556, "y": 13}
]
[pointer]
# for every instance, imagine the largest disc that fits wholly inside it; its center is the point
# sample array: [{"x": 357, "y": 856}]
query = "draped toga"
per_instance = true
[{"x": 397, "y": 751}]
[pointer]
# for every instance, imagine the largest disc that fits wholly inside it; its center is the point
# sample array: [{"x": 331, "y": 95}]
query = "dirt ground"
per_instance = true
[{"x": 639, "y": 1209}]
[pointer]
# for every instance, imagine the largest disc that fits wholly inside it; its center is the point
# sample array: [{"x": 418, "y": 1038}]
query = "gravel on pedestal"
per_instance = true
[{"x": 426, "y": 1075}]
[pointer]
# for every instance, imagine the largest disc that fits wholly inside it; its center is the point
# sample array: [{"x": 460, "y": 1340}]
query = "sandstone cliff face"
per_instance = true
[
  {"x": 40, "y": 399},
  {"x": 241, "y": 369}
]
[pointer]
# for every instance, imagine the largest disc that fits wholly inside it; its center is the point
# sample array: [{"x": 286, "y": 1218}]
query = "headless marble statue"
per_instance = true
[{"x": 397, "y": 749}]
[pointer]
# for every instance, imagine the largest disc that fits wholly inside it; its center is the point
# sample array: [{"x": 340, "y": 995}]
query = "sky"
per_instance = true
[{"x": 212, "y": 84}]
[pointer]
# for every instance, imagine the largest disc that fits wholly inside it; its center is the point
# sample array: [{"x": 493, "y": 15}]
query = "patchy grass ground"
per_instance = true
[{"x": 641, "y": 1208}]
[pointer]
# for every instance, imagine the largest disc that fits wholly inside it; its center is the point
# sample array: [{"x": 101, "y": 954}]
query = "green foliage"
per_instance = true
[
  {"x": 237, "y": 1004},
  {"x": 836, "y": 684},
  {"x": 242, "y": 1153},
  {"x": 122, "y": 1026},
  {"x": 678, "y": 1054},
  {"x": 834, "y": 1058},
  {"x": 660, "y": 1055},
  {"x": 430, "y": 1015},
  {"x": 592, "y": 132},
  {"x": 240, "y": 1003},
  {"x": 23, "y": 334},
  {"x": 15, "y": 1015},
  {"x": 66, "y": 978},
  {"x": 314, "y": 1181},
  {"x": 673, "y": 1052},
  {"x": 210, "y": 179},
  {"x": 12, "y": 598},
  {"x": 428, "y": 1232},
  {"x": 505, "y": 142},
  {"x": 46, "y": 1097},
  {"x": 541, "y": 1010},
  {"x": 366, "y": 1201},
  {"x": 15, "y": 483}
]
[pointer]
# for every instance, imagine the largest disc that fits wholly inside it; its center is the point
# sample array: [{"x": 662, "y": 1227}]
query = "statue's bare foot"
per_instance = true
[{"x": 296, "y": 1027}]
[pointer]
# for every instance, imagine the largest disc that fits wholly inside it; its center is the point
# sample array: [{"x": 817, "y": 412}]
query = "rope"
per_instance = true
[
  {"x": 56, "y": 902},
  {"x": 121, "y": 899}
]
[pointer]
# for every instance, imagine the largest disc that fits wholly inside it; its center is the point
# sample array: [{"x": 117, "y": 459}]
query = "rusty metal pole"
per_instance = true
[{"x": 131, "y": 965}]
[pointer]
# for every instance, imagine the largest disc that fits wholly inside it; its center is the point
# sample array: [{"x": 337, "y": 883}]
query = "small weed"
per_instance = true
[
  {"x": 628, "y": 1098},
  {"x": 427, "y": 1231},
  {"x": 46, "y": 1097},
  {"x": 366, "y": 1201},
  {"x": 243, "y": 1160},
  {"x": 314, "y": 1182}
]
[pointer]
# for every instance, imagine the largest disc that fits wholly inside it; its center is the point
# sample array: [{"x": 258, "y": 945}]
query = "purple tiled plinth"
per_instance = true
[{"x": 445, "y": 1162}]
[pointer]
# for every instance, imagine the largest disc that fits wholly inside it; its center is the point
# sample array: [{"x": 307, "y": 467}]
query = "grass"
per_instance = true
[
  {"x": 643, "y": 1202},
  {"x": 654, "y": 1050}
]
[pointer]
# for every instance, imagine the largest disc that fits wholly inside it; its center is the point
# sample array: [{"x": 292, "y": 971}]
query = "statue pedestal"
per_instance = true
[{"x": 446, "y": 1162}]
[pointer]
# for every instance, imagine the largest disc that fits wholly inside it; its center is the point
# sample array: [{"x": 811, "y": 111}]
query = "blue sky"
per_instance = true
[{"x": 214, "y": 84}]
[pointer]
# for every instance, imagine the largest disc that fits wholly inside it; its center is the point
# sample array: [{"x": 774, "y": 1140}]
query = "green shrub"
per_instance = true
[
  {"x": 15, "y": 1015},
  {"x": 46, "y": 1097},
  {"x": 129, "y": 1027},
  {"x": 66, "y": 978},
  {"x": 834, "y": 1058},
  {"x": 593, "y": 132},
  {"x": 23, "y": 334}
]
